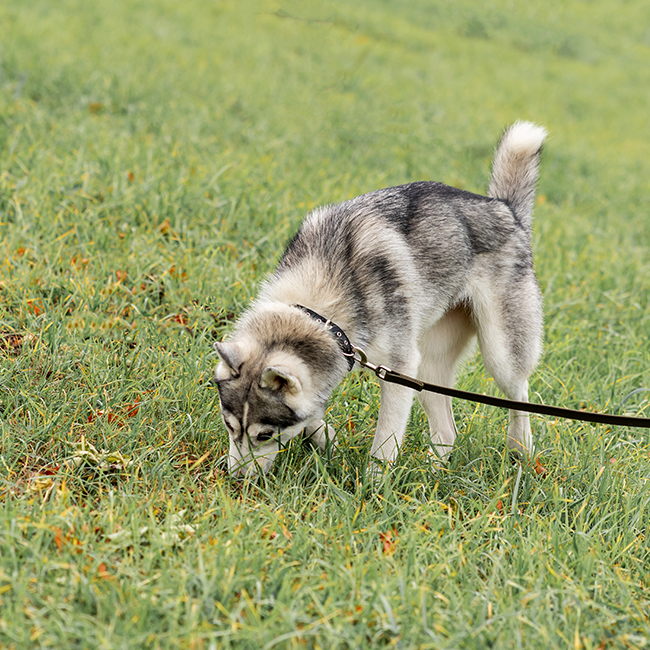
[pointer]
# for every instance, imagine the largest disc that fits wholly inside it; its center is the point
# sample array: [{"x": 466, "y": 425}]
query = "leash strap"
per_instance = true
[{"x": 386, "y": 374}]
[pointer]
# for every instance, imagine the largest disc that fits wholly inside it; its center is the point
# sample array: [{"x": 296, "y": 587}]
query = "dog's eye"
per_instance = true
[{"x": 266, "y": 435}]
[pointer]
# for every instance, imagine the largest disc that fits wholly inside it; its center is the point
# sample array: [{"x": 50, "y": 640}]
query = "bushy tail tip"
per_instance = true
[{"x": 516, "y": 168}]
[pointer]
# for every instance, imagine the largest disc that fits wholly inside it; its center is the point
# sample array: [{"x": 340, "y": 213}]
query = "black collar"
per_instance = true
[{"x": 342, "y": 340}]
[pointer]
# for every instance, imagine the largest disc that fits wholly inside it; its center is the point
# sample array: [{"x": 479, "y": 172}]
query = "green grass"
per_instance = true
[{"x": 154, "y": 159}]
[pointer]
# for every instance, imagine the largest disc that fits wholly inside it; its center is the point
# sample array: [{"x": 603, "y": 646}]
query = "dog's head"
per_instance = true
[{"x": 274, "y": 379}]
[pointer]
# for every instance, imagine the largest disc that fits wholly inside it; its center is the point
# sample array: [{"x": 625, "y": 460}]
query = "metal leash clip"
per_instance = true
[{"x": 360, "y": 357}]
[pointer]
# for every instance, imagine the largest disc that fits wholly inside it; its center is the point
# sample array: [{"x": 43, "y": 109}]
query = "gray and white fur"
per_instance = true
[{"x": 412, "y": 274}]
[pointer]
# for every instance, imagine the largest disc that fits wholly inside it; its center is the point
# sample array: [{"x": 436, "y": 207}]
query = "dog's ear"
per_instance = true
[
  {"x": 232, "y": 359},
  {"x": 280, "y": 378}
]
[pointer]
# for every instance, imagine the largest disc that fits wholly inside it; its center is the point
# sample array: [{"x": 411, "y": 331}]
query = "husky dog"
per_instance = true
[{"x": 411, "y": 274}]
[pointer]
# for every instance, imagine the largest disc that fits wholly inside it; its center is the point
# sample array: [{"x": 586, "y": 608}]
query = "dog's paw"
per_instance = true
[
  {"x": 377, "y": 470},
  {"x": 434, "y": 461},
  {"x": 321, "y": 435},
  {"x": 519, "y": 451}
]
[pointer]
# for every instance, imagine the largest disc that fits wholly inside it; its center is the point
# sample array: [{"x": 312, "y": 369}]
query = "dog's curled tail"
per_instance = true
[{"x": 516, "y": 168}]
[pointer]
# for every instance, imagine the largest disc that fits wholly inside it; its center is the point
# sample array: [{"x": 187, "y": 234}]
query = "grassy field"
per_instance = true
[{"x": 154, "y": 159}]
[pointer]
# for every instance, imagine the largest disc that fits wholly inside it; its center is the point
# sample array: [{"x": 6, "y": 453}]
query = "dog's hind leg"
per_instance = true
[
  {"x": 510, "y": 337},
  {"x": 442, "y": 346}
]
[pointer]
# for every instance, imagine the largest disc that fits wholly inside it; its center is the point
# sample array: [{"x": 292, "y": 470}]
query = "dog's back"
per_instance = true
[{"x": 404, "y": 254}]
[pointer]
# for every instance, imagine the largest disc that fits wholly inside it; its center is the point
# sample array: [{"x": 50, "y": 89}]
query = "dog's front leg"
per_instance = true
[
  {"x": 320, "y": 434},
  {"x": 394, "y": 412}
]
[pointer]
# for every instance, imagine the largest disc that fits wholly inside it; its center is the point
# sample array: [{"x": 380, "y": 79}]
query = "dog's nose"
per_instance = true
[{"x": 239, "y": 468}]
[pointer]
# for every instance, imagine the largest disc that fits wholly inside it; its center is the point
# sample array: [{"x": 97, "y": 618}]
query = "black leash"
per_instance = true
[
  {"x": 386, "y": 374},
  {"x": 352, "y": 354}
]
